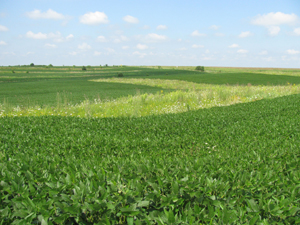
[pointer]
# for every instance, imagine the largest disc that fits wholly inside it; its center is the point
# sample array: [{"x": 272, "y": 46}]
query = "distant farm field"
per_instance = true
[
  {"x": 156, "y": 145},
  {"x": 140, "y": 91}
]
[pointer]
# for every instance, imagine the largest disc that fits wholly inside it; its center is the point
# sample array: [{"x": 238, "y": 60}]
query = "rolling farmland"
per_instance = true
[{"x": 156, "y": 146}]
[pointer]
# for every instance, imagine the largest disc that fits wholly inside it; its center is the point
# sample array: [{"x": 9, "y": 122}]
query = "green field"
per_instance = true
[{"x": 187, "y": 147}]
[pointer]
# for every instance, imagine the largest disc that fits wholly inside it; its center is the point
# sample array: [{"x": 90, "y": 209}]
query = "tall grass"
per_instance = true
[{"x": 187, "y": 96}]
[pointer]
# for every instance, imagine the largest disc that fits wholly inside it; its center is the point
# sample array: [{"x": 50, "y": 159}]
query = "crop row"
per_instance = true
[{"x": 237, "y": 164}]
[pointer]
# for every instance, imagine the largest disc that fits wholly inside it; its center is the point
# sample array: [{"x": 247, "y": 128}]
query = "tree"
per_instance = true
[
  {"x": 83, "y": 68},
  {"x": 200, "y": 68},
  {"x": 31, "y": 64}
]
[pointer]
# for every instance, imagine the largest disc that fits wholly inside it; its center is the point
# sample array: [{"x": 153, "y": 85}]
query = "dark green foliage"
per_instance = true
[
  {"x": 120, "y": 75},
  {"x": 224, "y": 165},
  {"x": 200, "y": 68},
  {"x": 228, "y": 78},
  {"x": 50, "y": 65},
  {"x": 31, "y": 64},
  {"x": 74, "y": 90},
  {"x": 83, "y": 68},
  {"x": 41, "y": 88},
  {"x": 13, "y": 71}
]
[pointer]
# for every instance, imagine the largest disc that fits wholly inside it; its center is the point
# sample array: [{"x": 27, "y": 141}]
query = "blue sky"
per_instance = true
[{"x": 241, "y": 33}]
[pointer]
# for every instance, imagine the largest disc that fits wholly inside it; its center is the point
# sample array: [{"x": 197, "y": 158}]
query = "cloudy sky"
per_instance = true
[{"x": 256, "y": 33}]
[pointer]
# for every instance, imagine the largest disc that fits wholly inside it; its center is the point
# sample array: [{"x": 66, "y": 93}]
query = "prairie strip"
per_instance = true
[{"x": 186, "y": 96}]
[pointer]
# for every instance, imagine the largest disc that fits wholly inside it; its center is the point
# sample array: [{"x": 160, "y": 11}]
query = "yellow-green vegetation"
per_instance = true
[{"x": 186, "y": 96}]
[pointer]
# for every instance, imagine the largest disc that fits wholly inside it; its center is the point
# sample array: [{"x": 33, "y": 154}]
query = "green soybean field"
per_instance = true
[{"x": 156, "y": 146}]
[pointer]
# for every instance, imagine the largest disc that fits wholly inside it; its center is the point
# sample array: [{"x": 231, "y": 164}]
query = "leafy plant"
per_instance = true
[
  {"x": 83, "y": 68},
  {"x": 120, "y": 75},
  {"x": 220, "y": 165},
  {"x": 31, "y": 64},
  {"x": 200, "y": 68}
]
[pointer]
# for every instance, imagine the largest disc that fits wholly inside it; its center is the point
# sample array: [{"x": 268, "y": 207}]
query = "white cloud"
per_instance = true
[
  {"x": 38, "y": 35},
  {"x": 55, "y": 36},
  {"x": 242, "y": 51},
  {"x": 125, "y": 47},
  {"x": 275, "y": 19},
  {"x": 141, "y": 55},
  {"x": 64, "y": 23},
  {"x": 219, "y": 34},
  {"x": 94, "y": 18},
  {"x": 161, "y": 27},
  {"x": 8, "y": 53},
  {"x": 197, "y": 46},
  {"x": 207, "y": 58},
  {"x": 3, "y": 43},
  {"x": 70, "y": 36},
  {"x": 101, "y": 39},
  {"x": 214, "y": 27},
  {"x": 3, "y": 28},
  {"x": 49, "y": 14},
  {"x": 292, "y": 52},
  {"x": 207, "y": 51},
  {"x": 84, "y": 46},
  {"x": 183, "y": 49},
  {"x": 150, "y": 38},
  {"x": 96, "y": 53},
  {"x": 58, "y": 38},
  {"x": 110, "y": 50},
  {"x": 297, "y": 31},
  {"x": 233, "y": 46},
  {"x": 245, "y": 34},
  {"x": 273, "y": 30},
  {"x": 50, "y": 45},
  {"x": 120, "y": 39},
  {"x": 263, "y": 53},
  {"x": 145, "y": 27},
  {"x": 73, "y": 53},
  {"x": 130, "y": 19},
  {"x": 179, "y": 40},
  {"x": 291, "y": 58},
  {"x": 197, "y": 34},
  {"x": 141, "y": 47},
  {"x": 268, "y": 59}
]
